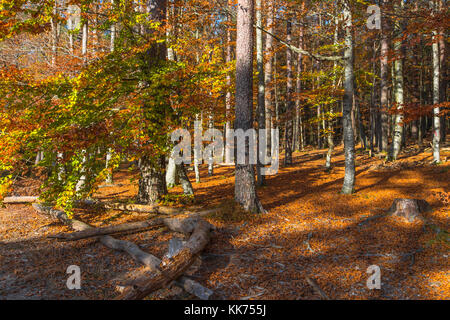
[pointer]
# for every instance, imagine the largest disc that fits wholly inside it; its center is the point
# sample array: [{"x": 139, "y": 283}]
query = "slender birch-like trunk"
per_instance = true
[{"x": 349, "y": 142}]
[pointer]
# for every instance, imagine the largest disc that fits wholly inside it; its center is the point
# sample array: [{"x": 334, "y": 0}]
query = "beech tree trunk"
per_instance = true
[
  {"x": 436, "y": 99},
  {"x": 384, "y": 68},
  {"x": 349, "y": 142},
  {"x": 299, "y": 141},
  {"x": 398, "y": 92},
  {"x": 152, "y": 183}
]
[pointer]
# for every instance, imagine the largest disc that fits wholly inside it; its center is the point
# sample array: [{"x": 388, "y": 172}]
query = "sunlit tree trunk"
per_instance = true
[
  {"x": 349, "y": 142},
  {"x": 398, "y": 91},
  {"x": 109, "y": 175},
  {"x": 436, "y": 100},
  {"x": 384, "y": 69},
  {"x": 298, "y": 138},
  {"x": 245, "y": 189},
  {"x": 330, "y": 139}
]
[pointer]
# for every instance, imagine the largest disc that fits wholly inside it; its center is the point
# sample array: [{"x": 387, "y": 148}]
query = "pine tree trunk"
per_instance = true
[{"x": 245, "y": 189}]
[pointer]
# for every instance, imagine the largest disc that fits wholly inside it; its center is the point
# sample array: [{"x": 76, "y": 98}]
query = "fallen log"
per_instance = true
[
  {"x": 131, "y": 248},
  {"x": 171, "y": 268},
  {"x": 95, "y": 232},
  {"x": 182, "y": 225},
  {"x": 19, "y": 200}
]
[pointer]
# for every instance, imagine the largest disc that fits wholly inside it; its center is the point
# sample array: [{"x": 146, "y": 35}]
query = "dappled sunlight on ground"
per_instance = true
[{"x": 310, "y": 230}]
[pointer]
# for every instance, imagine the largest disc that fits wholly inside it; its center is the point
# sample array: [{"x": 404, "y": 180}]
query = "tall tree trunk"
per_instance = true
[
  {"x": 269, "y": 93},
  {"x": 384, "y": 69},
  {"x": 261, "y": 108},
  {"x": 298, "y": 138},
  {"x": 349, "y": 142},
  {"x": 245, "y": 189},
  {"x": 443, "y": 73},
  {"x": 436, "y": 100},
  {"x": 228, "y": 134},
  {"x": 330, "y": 139},
  {"x": 289, "y": 99},
  {"x": 152, "y": 182},
  {"x": 398, "y": 90},
  {"x": 55, "y": 37},
  {"x": 109, "y": 175}
]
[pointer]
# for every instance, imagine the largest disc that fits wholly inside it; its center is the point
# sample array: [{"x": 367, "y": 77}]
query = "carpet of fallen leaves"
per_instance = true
[{"x": 310, "y": 230}]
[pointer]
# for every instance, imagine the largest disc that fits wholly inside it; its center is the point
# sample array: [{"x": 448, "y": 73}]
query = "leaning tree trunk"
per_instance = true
[
  {"x": 245, "y": 189},
  {"x": 349, "y": 142}
]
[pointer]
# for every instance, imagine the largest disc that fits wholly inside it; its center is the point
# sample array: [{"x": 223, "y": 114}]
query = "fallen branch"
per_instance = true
[
  {"x": 185, "y": 225},
  {"x": 131, "y": 248},
  {"x": 171, "y": 268},
  {"x": 19, "y": 200}
]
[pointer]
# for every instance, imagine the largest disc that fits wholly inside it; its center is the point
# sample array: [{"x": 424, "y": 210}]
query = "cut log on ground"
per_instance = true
[
  {"x": 19, "y": 200},
  {"x": 172, "y": 268},
  {"x": 410, "y": 209},
  {"x": 149, "y": 260}
]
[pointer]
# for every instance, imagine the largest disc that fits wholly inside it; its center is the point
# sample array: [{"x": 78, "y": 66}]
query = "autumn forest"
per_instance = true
[{"x": 224, "y": 150}]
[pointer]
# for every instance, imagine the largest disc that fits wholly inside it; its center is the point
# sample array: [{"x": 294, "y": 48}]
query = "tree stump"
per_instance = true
[{"x": 410, "y": 209}]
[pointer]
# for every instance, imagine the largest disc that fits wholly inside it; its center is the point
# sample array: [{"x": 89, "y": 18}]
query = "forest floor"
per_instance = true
[{"x": 310, "y": 230}]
